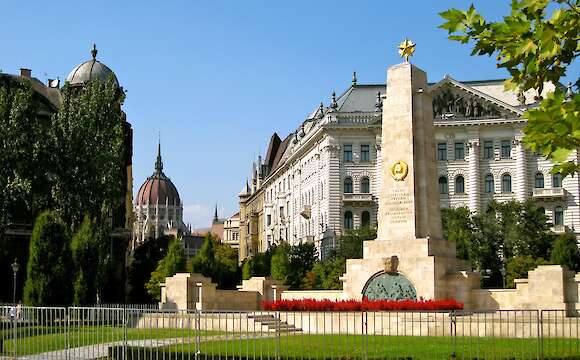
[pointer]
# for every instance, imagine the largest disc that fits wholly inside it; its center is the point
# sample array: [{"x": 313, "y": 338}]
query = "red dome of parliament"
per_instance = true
[{"x": 158, "y": 187}]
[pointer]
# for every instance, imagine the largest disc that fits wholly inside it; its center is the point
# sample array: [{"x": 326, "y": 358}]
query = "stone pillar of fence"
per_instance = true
[
  {"x": 186, "y": 291},
  {"x": 268, "y": 288}
]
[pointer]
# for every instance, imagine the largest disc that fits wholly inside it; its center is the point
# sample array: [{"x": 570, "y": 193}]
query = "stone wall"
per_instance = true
[
  {"x": 195, "y": 291},
  {"x": 513, "y": 324},
  {"x": 548, "y": 287}
]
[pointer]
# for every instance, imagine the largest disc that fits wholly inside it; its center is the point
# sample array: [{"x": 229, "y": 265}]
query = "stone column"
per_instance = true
[
  {"x": 520, "y": 181},
  {"x": 377, "y": 183},
  {"x": 474, "y": 179},
  {"x": 409, "y": 201},
  {"x": 334, "y": 188}
]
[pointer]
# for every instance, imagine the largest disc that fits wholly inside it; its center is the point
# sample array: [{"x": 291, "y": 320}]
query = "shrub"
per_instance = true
[
  {"x": 48, "y": 280},
  {"x": 173, "y": 262},
  {"x": 364, "y": 305},
  {"x": 518, "y": 267},
  {"x": 566, "y": 252}
]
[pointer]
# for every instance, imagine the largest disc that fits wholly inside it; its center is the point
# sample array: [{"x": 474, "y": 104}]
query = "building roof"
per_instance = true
[
  {"x": 52, "y": 96},
  {"x": 90, "y": 70},
  {"x": 273, "y": 146},
  {"x": 278, "y": 160},
  {"x": 359, "y": 98},
  {"x": 158, "y": 188}
]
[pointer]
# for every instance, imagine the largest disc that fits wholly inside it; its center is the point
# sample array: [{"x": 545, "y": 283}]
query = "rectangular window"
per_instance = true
[
  {"x": 347, "y": 153},
  {"x": 506, "y": 149},
  {"x": 269, "y": 220},
  {"x": 281, "y": 211},
  {"x": 442, "y": 151},
  {"x": 557, "y": 180},
  {"x": 365, "y": 153},
  {"x": 488, "y": 150},
  {"x": 459, "y": 151}
]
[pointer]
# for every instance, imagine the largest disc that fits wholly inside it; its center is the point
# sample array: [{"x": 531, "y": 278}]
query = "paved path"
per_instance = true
[{"x": 97, "y": 351}]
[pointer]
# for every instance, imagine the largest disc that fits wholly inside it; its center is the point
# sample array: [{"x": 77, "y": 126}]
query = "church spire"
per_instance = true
[
  {"x": 215, "y": 215},
  {"x": 158, "y": 162}
]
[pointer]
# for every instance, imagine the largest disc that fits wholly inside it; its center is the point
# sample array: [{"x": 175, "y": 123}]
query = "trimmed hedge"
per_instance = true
[{"x": 364, "y": 305}]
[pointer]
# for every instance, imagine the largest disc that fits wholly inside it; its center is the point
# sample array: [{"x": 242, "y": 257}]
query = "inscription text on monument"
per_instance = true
[{"x": 399, "y": 206}]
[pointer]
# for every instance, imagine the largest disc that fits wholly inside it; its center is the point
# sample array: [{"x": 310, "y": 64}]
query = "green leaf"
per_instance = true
[{"x": 561, "y": 155}]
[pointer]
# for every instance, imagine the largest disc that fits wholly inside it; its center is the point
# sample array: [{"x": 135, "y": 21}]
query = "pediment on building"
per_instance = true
[{"x": 455, "y": 100}]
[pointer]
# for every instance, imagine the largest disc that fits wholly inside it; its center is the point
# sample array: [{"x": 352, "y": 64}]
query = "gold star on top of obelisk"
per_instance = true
[{"x": 406, "y": 49}]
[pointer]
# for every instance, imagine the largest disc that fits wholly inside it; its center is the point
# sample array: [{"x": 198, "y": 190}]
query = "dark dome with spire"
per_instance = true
[
  {"x": 158, "y": 187},
  {"x": 89, "y": 70}
]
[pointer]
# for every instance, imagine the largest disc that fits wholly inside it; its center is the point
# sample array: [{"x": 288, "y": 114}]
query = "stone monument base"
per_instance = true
[{"x": 429, "y": 265}]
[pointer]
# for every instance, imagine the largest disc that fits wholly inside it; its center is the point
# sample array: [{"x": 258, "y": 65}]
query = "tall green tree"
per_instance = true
[
  {"x": 86, "y": 139},
  {"x": 325, "y": 274},
  {"x": 524, "y": 229},
  {"x": 49, "y": 265},
  {"x": 24, "y": 155},
  {"x": 507, "y": 230},
  {"x": 204, "y": 260},
  {"x": 280, "y": 263},
  {"x": 217, "y": 261},
  {"x": 458, "y": 227},
  {"x": 535, "y": 43},
  {"x": 566, "y": 252},
  {"x": 303, "y": 256},
  {"x": 226, "y": 272},
  {"x": 487, "y": 247},
  {"x": 258, "y": 264},
  {"x": 174, "y": 261},
  {"x": 142, "y": 262},
  {"x": 87, "y": 250},
  {"x": 290, "y": 264},
  {"x": 350, "y": 244}
]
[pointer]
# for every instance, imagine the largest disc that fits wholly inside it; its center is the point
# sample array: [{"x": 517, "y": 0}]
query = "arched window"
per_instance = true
[
  {"x": 443, "y": 186},
  {"x": 489, "y": 186},
  {"x": 558, "y": 216},
  {"x": 365, "y": 218},
  {"x": 539, "y": 181},
  {"x": 348, "y": 185},
  {"x": 459, "y": 185},
  {"x": 365, "y": 185},
  {"x": 557, "y": 180},
  {"x": 348, "y": 223},
  {"x": 506, "y": 183}
]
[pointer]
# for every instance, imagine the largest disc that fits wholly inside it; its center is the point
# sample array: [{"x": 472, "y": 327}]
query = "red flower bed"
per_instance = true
[{"x": 364, "y": 305}]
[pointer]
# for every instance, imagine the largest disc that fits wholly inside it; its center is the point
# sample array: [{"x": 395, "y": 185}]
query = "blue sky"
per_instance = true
[{"x": 217, "y": 78}]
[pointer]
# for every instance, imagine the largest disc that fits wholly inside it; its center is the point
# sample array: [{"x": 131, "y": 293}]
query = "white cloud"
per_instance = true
[{"x": 199, "y": 215}]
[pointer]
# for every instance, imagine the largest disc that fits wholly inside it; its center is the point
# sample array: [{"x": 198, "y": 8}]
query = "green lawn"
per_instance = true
[
  {"x": 377, "y": 347},
  {"x": 33, "y": 340}
]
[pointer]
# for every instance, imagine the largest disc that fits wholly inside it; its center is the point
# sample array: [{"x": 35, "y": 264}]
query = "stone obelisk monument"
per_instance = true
[{"x": 409, "y": 258}]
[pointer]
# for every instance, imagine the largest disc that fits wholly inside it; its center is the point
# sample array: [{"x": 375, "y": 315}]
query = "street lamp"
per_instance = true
[{"x": 15, "y": 267}]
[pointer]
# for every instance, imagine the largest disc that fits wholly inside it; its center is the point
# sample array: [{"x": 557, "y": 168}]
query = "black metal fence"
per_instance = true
[{"x": 131, "y": 333}]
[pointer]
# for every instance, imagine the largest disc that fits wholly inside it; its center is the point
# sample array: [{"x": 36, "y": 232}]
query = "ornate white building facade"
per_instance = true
[
  {"x": 232, "y": 231},
  {"x": 324, "y": 178}
]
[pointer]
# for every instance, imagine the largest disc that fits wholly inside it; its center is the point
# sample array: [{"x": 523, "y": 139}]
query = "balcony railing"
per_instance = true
[
  {"x": 549, "y": 193},
  {"x": 357, "y": 197}
]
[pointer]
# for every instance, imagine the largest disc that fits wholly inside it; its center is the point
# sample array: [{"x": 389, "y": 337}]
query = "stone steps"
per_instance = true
[{"x": 274, "y": 323}]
